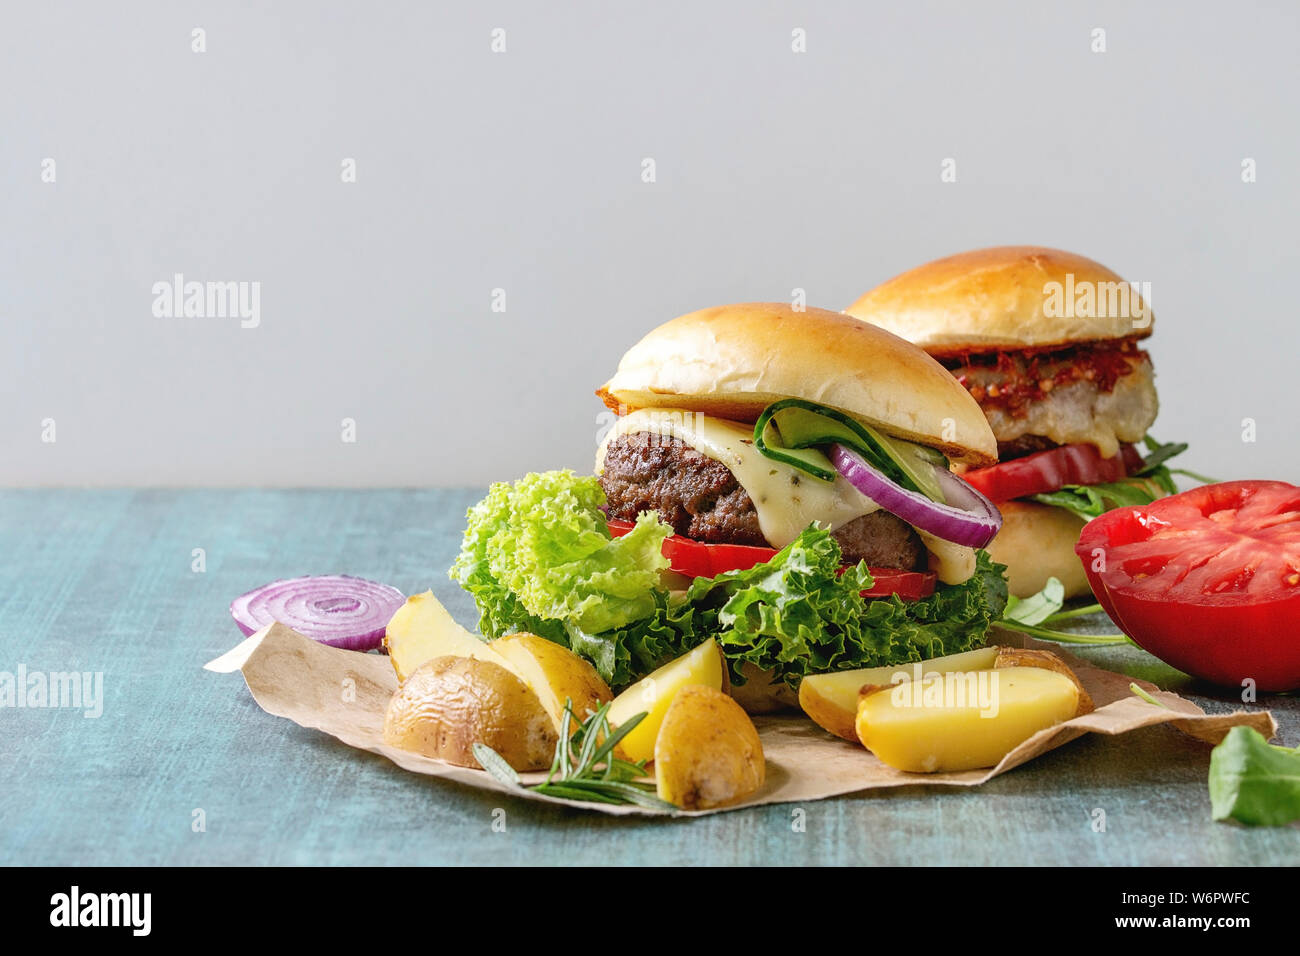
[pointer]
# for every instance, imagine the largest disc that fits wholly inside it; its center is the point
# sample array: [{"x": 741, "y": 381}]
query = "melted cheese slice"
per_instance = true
[
  {"x": 953, "y": 563},
  {"x": 786, "y": 499}
]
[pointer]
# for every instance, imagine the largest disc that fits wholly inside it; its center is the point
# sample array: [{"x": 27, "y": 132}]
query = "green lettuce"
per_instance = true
[
  {"x": 797, "y": 615},
  {"x": 537, "y": 557},
  {"x": 1154, "y": 480},
  {"x": 1090, "y": 501}
]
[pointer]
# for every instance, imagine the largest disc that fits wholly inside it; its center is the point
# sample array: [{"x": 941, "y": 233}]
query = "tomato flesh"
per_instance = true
[
  {"x": 1207, "y": 580},
  {"x": 1052, "y": 470},
  {"x": 697, "y": 559}
]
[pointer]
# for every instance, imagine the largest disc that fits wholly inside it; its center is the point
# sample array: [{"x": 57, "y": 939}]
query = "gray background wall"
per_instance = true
[{"x": 522, "y": 170}]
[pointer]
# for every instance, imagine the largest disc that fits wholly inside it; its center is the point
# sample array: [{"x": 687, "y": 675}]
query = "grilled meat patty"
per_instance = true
[{"x": 701, "y": 499}]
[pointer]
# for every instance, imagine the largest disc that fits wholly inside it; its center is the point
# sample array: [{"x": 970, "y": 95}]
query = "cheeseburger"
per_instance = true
[
  {"x": 776, "y": 480},
  {"x": 743, "y": 425},
  {"x": 1049, "y": 344}
]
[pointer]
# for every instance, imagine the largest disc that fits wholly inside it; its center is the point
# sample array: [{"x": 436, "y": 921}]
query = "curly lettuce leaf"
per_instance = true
[
  {"x": 797, "y": 615},
  {"x": 537, "y": 555}
]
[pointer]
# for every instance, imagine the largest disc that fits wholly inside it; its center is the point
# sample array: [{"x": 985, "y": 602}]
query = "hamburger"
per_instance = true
[
  {"x": 1049, "y": 344},
  {"x": 776, "y": 479},
  {"x": 742, "y": 425}
]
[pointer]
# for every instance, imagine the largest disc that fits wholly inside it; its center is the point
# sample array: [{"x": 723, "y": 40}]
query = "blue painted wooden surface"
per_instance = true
[{"x": 102, "y": 581}]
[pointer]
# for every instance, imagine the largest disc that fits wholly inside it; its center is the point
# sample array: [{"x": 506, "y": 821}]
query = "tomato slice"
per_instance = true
[
  {"x": 1051, "y": 470},
  {"x": 1207, "y": 580},
  {"x": 907, "y": 585},
  {"x": 697, "y": 559}
]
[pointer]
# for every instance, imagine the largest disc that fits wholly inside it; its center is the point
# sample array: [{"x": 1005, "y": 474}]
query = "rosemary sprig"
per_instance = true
[{"x": 584, "y": 766}]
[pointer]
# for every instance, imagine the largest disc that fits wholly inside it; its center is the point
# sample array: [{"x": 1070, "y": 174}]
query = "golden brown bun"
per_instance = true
[
  {"x": 993, "y": 300},
  {"x": 1036, "y": 543},
  {"x": 733, "y": 360}
]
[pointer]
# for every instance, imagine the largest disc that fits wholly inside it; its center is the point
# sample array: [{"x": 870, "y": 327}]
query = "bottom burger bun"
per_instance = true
[{"x": 1036, "y": 543}]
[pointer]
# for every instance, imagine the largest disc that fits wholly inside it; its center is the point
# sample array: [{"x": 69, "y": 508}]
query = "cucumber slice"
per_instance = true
[
  {"x": 809, "y": 460},
  {"x": 791, "y": 431},
  {"x": 915, "y": 463}
]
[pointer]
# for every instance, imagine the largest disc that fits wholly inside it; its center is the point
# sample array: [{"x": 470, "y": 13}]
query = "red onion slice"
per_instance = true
[
  {"x": 969, "y": 518},
  {"x": 335, "y": 609}
]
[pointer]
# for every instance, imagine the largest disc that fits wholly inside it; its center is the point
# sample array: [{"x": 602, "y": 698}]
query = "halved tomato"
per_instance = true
[
  {"x": 1207, "y": 580},
  {"x": 697, "y": 559},
  {"x": 1051, "y": 470}
]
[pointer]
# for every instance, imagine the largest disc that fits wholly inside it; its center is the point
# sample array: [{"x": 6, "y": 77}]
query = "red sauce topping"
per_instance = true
[{"x": 1013, "y": 380}]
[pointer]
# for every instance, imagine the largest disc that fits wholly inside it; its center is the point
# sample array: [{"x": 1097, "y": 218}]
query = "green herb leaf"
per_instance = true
[
  {"x": 1157, "y": 454},
  {"x": 1090, "y": 501},
  {"x": 1034, "y": 614},
  {"x": 495, "y": 764},
  {"x": 1139, "y": 692},
  {"x": 1064, "y": 637},
  {"x": 567, "y": 791},
  {"x": 1254, "y": 782},
  {"x": 1036, "y": 608}
]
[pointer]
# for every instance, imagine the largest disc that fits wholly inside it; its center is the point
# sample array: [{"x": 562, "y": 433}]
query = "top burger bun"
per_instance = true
[
  {"x": 999, "y": 299},
  {"x": 732, "y": 361}
]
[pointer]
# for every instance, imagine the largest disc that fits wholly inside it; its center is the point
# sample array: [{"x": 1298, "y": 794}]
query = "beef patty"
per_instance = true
[{"x": 701, "y": 499}]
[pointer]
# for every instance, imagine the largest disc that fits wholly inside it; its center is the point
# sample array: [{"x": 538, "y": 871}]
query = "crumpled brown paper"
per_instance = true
[{"x": 345, "y": 694}]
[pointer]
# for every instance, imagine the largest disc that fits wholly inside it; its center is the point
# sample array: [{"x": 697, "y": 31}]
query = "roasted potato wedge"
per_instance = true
[
  {"x": 707, "y": 753},
  {"x": 1025, "y": 657},
  {"x": 421, "y": 630},
  {"x": 555, "y": 674},
  {"x": 653, "y": 694},
  {"x": 831, "y": 700},
  {"x": 450, "y": 703},
  {"x": 962, "y": 721}
]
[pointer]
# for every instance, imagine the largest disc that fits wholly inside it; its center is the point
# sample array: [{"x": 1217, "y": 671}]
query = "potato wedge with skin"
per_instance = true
[
  {"x": 451, "y": 703},
  {"x": 708, "y": 753},
  {"x": 1027, "y": 657},
  {"x": 555, "y": 674},
  {"x": 831, "y": 700},
  {"x": 422, "y": 629},
  {"x": 962, "y": 720},
  {"x": 654, "y": 693}
]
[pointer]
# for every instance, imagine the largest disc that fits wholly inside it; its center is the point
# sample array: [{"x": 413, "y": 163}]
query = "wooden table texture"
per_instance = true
[{"x": 106, "y": 581}]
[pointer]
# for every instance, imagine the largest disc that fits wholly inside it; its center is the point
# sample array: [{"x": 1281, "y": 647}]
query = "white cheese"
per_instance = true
[
  {"x": 786, "y": 499},
  {"x": 953, "y": 563}
]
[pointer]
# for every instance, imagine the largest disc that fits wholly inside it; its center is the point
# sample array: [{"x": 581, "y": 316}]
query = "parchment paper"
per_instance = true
[{"x": 345, "y": 694}]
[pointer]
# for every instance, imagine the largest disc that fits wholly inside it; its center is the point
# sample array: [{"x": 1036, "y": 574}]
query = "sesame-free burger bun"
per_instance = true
[
  {"x": 1036, "y": 542},
  {"x": 732, "y": 361},
  {"x": 1006, "y": 298}
]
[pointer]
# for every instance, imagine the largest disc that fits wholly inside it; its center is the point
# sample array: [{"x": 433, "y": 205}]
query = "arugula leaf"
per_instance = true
[
  {"x": 1158, "y": 454},
  {"x": 1036, "y": 608},
  {"x": 1140, "y": 488},
  {"x": 1035, "y": 614},
  {"x": 1254, "y": 782},
  {"x": 1090, "y": 501}
]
